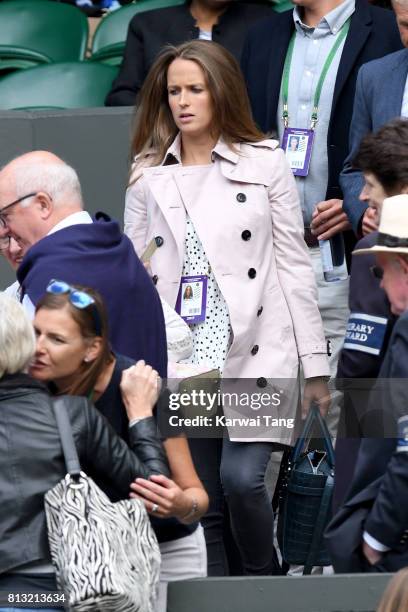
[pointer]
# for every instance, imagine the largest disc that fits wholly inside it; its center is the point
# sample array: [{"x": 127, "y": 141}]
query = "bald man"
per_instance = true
[{"x": 41, "y": 209}]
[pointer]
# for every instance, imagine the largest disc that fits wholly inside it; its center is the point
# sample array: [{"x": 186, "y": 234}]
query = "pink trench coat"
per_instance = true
[{"x": 248, "y": 218}]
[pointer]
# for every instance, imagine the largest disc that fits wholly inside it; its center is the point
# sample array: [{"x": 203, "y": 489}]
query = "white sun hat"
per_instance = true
[{"x": 393, "y": 229}]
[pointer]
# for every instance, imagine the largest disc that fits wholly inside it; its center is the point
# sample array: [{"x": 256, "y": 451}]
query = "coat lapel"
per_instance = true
[
  {"x": 165, "y": 191},
  {"x": 395, "y": 85},
  {"x": 277, "y": 54},
  {"x": 360, "y": 29}
]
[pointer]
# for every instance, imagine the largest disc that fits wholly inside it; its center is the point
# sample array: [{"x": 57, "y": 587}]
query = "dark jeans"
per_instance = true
[{"x": 242, "y": 467}]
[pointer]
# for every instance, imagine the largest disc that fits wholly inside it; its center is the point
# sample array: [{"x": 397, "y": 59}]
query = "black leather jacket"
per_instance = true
[{"x": 31, "y": 461}]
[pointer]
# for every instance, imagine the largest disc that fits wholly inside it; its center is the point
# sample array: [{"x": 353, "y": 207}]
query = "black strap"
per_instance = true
[
  {"x": 320, "y": 526},
  {"x": 67, "y": 439},
  {"x": 304, "y": 438}
]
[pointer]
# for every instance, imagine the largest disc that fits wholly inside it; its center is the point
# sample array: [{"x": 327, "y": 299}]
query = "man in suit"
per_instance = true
[
  {"x": 223, "y": 21},
  {"x": 370, "y": 531},
  {"x": 316, "y": 27},
  {"x": 381, "y": 95}
]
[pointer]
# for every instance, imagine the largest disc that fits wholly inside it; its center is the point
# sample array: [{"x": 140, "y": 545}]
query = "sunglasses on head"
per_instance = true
[{"x": 79, "y": 299}]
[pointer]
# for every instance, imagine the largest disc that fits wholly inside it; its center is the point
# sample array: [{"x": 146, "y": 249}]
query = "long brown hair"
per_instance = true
[
  {"x": 88, "y": 373},
  {"x": 395, "y": 598},
  {"x": 154, "y": 127}
]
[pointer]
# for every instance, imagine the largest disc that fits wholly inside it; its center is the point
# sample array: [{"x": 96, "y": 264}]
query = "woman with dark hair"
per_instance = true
[
  {"x": 73, "y": 355},
  {"x": 31, "y": 456},
  {"x": 223, "y": 201}
]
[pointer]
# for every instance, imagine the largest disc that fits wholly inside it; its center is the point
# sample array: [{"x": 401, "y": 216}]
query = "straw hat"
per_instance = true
[{"x": 393, "y": 229}]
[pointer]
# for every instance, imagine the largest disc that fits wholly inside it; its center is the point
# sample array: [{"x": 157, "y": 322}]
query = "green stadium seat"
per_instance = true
[
  {"x": 110, "y": 36},
  {"x": 59, "y": 85},
  {"x": 282, "y": 5},
  {"x": 40, "y": 32}
]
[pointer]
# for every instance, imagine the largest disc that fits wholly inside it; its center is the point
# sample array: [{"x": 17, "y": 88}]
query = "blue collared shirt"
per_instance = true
[{"x": 312, "y": 46}]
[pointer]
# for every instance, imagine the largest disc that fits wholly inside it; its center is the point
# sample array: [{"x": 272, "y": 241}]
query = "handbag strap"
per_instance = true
[
  {"x": 314, "y": 415},
  {"x": 320, "y": 525},
  {"x": 67, "y": 439}
]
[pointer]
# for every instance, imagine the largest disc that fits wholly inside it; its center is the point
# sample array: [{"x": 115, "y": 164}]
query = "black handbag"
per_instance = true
[{"x": 305, "y": 499}]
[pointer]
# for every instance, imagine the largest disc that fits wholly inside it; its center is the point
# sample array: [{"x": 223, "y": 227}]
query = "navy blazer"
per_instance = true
[
  {"x": 379, "y": 94},
  {"x": 373, "y": 33}
]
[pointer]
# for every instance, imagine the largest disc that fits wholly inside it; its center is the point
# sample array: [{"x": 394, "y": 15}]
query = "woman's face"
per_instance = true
[
  {"x": 61, "y": 348},
  {"x": 189, "y": 98}
]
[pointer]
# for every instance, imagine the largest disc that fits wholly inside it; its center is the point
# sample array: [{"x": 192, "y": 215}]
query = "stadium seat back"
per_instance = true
[
  {"x": 62, "y": 85},
  {"x": 56, "y": 30},
  {"x": 112, "y": 30}
]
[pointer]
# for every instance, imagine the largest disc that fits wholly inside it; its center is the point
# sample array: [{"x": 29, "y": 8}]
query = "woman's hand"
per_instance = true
[
  {"x": 140, "y": 388},
  {"x": 316, "y": 390},
  {"x": 162, "y": 497}
]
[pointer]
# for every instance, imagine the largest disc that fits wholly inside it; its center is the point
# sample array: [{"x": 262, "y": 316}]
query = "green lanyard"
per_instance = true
[{"x": 286, "y": 71}]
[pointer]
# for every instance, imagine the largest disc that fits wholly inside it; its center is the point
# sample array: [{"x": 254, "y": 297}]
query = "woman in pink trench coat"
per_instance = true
[{"x": 206, "y": 181}]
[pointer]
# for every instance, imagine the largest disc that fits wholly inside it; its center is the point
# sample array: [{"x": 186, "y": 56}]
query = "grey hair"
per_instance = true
[
  {"x": 17, "y": 339},
  {"x": 58, "y": 180}
]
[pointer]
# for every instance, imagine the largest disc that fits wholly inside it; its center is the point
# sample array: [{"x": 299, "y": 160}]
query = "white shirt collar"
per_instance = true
[{"x": 77, "y": 218}]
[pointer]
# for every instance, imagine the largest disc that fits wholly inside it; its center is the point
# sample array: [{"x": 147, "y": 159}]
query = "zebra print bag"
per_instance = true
[{"x": 105, "y": 554}]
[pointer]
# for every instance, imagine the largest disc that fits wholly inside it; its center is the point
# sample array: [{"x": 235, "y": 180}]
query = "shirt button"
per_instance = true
[
  {"x": 303, "y": 106},
  {"x": 308, "y": 73},
  {"x": 260, "y": 311},
  {"x": 251, "y": 272},
  {"x": 254, "y": 349},
  {"x": 246, "y": 235},
  {"x": 159, "y": 241},
  {"x": 241, "y": 197},
  {"x": 155, "y": 278},
  {"x": 262, "y": 382}
]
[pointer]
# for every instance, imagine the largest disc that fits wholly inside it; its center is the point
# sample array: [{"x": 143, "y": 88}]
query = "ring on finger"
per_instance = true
[{"x": 155, "y": 507}]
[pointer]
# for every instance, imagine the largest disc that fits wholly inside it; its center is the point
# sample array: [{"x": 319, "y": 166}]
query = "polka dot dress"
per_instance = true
[{"x": 211, "y": 338}]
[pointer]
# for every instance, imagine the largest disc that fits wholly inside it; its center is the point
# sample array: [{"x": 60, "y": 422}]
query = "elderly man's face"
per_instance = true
[
  {"x": 18, "y": 215},
  {"x": 395, "y": 281}
]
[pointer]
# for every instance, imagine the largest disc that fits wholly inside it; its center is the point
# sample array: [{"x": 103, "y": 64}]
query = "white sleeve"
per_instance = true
[
  {"x": 374, "y": 543},
  {"x": 179, "y": 336}
]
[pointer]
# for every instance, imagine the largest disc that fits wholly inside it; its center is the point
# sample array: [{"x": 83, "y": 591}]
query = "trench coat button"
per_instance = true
[
  {"x": 260, "y": 311},
  {"x": 246, "y": 235},
  {"x": 261, "y": 382},
  {"x": 254, "y": 349},
  {"x": 155, "y": 278},
  {"x": 251, "y": 272},
  {"x": 241, "y": 197},
  {"x": 159, "y": 241}
]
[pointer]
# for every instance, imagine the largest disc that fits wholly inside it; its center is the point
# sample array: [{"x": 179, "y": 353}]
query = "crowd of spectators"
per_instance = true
[{"x": 266, "y": 241}]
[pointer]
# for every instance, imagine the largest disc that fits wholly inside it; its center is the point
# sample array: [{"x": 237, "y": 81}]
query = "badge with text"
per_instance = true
[
  {"x": 297, "y": 145},
  {"x": 192, "y": 298},
  {"x": 365, "y": 333}
]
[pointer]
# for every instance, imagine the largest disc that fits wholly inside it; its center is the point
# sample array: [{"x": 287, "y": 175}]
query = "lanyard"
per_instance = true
[{"x": 286, "y": 71}]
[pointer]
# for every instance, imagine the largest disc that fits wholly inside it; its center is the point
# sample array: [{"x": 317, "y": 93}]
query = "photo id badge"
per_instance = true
[
  {"x": 192, "y": 299},
  {"x": 297, "y": 145}
]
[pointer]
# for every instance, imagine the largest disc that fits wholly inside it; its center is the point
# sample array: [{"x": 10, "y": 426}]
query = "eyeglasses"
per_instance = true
[
  {"x": 5, "y": 240},
  {"x": 377, "y": 272},
  {"x": 79, "y": 299}
]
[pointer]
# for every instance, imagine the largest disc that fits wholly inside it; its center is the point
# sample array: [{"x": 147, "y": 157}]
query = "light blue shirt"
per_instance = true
[{"x": 312, "y": 46}]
